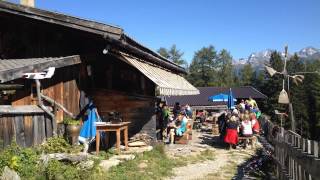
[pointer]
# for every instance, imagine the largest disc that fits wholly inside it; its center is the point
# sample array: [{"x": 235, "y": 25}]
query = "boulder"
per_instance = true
[
  {"x": 107, "y": 164},
  {"x": 137, "y": 144},
  {"x": 86, "y": 164},
  {"x": 123, "y": 157},
  {"x": 9, "y": 174}
]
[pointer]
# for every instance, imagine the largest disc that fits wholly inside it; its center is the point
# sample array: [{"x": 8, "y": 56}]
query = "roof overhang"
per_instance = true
[
  {"x": 167, "y": 82},
  {"x": 11, "y": 69}
]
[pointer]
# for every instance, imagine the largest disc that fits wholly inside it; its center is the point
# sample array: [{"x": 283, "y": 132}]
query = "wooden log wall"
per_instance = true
[
  {"x": 28, "y": 127},
  {"x": 136, "y": 109},
  {"x": 296, "y": 157},
  {"x": 62, "y": 87}
]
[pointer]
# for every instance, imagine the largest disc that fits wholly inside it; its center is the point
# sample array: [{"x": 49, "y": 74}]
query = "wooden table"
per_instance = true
[{"x": 117, "y": 127}]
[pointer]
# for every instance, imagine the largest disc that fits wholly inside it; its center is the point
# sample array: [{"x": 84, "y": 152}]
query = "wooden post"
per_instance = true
[
  {"x": 97, "y": 142},
  {"x": 303, "y": 145},
  {"x": 40, "y": 103},
  {"x": 54, "y": 103},
  {"x": 308, "y": 146}
]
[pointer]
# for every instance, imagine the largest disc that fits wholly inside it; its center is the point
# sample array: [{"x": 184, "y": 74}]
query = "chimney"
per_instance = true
[{"x": 29, "y": 3}]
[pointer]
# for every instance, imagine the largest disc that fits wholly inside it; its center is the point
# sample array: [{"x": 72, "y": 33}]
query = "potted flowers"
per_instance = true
[{"x": 72, "y": 127}]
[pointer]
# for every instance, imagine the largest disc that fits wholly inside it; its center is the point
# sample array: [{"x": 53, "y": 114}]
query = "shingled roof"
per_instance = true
[
  {"x": 112, "y": 34},
  {"x": 205, "y": 92},
  {"x": 11, "y": 69}
]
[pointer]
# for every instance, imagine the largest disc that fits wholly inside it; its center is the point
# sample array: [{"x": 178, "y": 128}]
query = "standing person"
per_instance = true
[
  {"x": 188, "y": 111},
  {"x": 252, "y": 103},
  {"x": 242, "y": 106},
  {"x": 231, "y": 137},
  {"x": 176, "y": 110},
  {"x": 165, "y": 118}
]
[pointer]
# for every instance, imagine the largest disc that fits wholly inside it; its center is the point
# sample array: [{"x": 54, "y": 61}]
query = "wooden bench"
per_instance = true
[{"x": 252, "y": 140}]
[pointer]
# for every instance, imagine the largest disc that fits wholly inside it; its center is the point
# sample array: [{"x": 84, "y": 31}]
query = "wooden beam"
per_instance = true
[
  {"x": 10, "y": 86},
  {"x": 26, "y": 109},
  {"x": 54, "y": 103},
  {"x": 17, "y": 72}
]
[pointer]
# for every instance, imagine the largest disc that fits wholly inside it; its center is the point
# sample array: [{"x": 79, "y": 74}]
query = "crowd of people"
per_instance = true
[
  {"x": 173, "y": 123},
  {"x": 241, "y": 121}
]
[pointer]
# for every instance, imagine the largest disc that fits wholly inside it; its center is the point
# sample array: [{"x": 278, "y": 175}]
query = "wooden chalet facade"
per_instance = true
[{"x": 91, "y": 59}]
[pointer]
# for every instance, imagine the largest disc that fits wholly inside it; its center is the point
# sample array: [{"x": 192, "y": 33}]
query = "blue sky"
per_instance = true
[{"x": 240, "y": 26}]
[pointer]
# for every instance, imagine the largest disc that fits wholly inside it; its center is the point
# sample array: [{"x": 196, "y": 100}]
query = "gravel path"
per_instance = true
[{"x": 221, "y": 165}]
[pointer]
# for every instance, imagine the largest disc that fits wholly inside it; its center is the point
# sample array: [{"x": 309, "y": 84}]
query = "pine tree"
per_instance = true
[
  {"x": 246, "y": 74},
  {"x": 201, "y": 70},
  {"x": 312, "y": 86},
  {"x": 224, "y": 69},
  {"x": 173, "y": 54}
]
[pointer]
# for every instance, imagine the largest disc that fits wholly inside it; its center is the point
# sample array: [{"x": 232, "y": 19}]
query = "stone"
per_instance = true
[
  {"x": 86, "y": 164},
  {"x": 142, "y": 165},
  {"x": 132, "y": 150},
  {"x": 137, "y": 144},
  {"x": 107, "y": 164},
  {"x": 9, "y": 174},
  {"x": 123, "y": 157}
]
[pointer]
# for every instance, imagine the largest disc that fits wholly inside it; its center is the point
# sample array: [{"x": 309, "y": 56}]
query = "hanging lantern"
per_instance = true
[{"x": 283, "y": 97}]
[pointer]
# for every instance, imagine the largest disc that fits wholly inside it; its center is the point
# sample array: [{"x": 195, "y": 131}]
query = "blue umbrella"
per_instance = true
[
  {"x": 230, "y": 100},
  {"x": 219, "y": 98},
  {"x": 88, "y": 129}
]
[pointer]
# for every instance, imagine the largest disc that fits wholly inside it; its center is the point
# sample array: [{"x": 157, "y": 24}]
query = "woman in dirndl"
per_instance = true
[{"x": 231, "y": 137}]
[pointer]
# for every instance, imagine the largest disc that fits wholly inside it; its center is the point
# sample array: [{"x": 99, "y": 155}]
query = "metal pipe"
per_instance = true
[{"x": 40, "y": 104}]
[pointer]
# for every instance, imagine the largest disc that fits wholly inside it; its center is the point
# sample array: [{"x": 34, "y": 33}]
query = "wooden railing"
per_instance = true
[{"x": 296, "y": 157}]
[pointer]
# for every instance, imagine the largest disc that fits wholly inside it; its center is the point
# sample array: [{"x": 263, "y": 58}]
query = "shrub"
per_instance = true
[
  {"x": 58, "y": 145},
  {"x": 71, "y": 121},
  {"x": 23, "y": 160}
]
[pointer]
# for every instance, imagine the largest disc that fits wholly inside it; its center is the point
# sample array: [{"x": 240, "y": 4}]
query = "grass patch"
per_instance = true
[
  {"x": 154, "y": 164},
  {"x": 149, "y": 165},
  {"x": 203, "y": 156}
]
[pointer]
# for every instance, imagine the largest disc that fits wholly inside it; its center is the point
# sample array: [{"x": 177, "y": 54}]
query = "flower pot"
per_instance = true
[{"x": 72, "y": 133}]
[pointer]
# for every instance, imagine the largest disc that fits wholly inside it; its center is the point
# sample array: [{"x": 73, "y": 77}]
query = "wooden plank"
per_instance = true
[
  {"x": 304, "y": 148},
  {"x": 309, "y": 146},
  {"x": 48, "y": 124},
  {"x": 22, "y": 110},
  {"x": 19, "y": 128},
  {"x": 35, "y": 128},
  {"x": 10, "y": 86},
  {"x": 42, "y": 128},
  {"x": 9, "y": 130},
  {"x": 28, "y": 130},
  {"x": 2, "y": 132}
]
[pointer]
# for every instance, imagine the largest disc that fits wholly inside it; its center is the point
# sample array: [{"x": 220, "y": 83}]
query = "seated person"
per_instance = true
[
  {"x": 231, "y": 137},
  {"x": 255, "y": 123},
  {"x": 246, "y": 126},
  {"x": 180, "y": 128}
]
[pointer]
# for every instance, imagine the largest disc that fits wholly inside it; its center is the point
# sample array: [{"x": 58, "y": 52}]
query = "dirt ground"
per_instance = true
[{"x": 225, "y": 164}]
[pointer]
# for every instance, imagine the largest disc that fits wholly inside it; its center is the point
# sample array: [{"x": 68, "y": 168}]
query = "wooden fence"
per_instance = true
[
  {"x": 28, "y": 125},
  {"x": 296, "y": 157}
]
